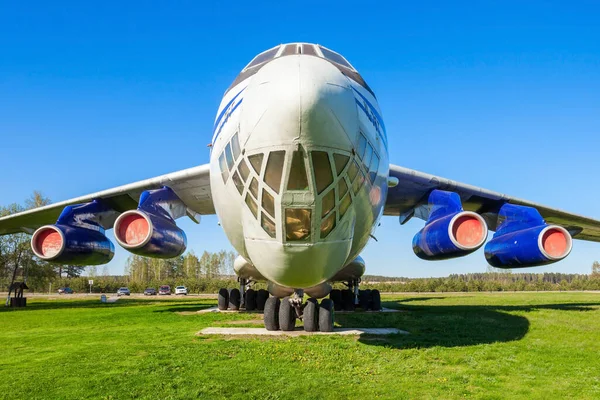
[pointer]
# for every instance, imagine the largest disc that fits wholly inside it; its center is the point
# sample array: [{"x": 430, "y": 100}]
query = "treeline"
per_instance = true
[
  {"x": 187, "y": 266},
  {"x": 492, "y": 282}
]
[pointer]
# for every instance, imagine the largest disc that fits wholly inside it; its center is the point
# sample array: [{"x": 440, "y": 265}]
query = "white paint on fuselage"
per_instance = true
[{"x": 297, "y": 101}]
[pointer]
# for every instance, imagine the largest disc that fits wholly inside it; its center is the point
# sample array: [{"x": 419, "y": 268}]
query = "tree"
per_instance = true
[
  {"x": 596, "y": 269},
  {"x": 16, "y": 256}
]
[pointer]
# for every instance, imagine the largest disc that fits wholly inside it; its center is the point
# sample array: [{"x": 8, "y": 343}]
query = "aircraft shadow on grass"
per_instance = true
[{"x": 449, "y": 325}]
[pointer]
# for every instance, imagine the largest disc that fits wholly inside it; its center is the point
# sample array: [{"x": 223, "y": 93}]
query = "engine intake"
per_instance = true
[
  {"x": 64, "y": 244},
  {"x": 451, "y": 236},
  {"x": 149, "y": 235}
]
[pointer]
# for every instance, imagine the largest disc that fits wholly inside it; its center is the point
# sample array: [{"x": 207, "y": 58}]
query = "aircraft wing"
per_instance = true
[
  {"x": 409, "y": 198},
  {"x": 191, "y": 185}
]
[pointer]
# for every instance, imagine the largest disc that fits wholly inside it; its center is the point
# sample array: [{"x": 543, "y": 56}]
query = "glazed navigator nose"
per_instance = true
[{"x": 301, "y": 113}]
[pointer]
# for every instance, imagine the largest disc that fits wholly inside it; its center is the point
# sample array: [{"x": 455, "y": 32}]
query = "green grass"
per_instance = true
[{"x": 484, "y": 346}]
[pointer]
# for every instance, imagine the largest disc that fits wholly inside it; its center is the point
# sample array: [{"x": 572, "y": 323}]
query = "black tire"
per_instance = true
[
  {"x": 336, "y": 296},
  {"x": 261, "y": 298},
  {"x": 250, "y": 300},
  {"x": 310, "y": 316},
  {"x": 235, "y": 299},
  {"x": 364, "y": 299},
  {"x": 271, "y": 315},
  {"x": 223, "y": 301},
  {"x": 326, "y": 314},
  {"x": 287, "y": 315},
  {"x": 347, "y": 300},
  {"x": 375, "y": 300}
]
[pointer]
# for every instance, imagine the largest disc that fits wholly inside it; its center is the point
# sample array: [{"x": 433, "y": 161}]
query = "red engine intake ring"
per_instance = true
[
  {"x": 133, "y": 229},
  {"x": 48, "y": 242},
  {"x": 555, "y": 242},
  {"x": 468, "y": 230}
]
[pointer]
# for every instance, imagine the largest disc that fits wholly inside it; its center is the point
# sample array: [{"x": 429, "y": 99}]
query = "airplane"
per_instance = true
[{"x": 299, "y": 177}]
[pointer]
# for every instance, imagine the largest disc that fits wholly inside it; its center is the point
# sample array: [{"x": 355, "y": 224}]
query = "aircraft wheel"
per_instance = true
[
  {"x": 271, "y": 315},
  {"x": 336, "y": 296},
  {"x": 261, "y": 298},
  {"x": 326, "y": 312},
  {"x": 250, "y": 300},
  {"x": 375, "y": 300},
  {"x": 347, "y": 300},
  {"x": 364, "y": 299},
  {"x": 235, "y": 299},
  {"x": 223, "y": 301},
  {"x": 310, "y": 315},
  {"x": 287, "y": 315}
]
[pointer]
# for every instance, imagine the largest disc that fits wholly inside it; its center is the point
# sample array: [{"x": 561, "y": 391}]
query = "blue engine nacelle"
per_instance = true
[
  {"x": 65, "y": 244},
  {"x": 452, "y": 236},
  {"x": 449, "y": 232},
  {"x": 523, "y": 239},
  {"x": 149, "y": 235}
]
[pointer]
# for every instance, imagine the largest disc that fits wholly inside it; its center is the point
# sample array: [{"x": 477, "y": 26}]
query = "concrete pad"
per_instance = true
[{"x": 299, "y": 332}]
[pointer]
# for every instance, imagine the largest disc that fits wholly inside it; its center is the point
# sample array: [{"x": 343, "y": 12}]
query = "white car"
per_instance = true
[{"x": 181, "y": 290}]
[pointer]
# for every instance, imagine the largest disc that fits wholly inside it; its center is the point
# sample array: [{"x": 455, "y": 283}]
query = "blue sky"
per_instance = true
[{"x": 499, "y": 94}]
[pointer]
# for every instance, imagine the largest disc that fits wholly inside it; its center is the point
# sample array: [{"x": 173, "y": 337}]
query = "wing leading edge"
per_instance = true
[
  {"x": 409, "y": 198},
  {"x": 192, "y": 185}
]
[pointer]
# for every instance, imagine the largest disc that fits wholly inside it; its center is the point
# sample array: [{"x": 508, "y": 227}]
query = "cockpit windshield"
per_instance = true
[
  {"x": 335, "y": 57},
  {"x": 263, "y": 57},
  {"x": 300, "y": 48}
]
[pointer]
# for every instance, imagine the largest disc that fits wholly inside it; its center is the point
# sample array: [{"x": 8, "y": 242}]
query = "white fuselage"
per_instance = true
[{"x": 309, "y": 206}]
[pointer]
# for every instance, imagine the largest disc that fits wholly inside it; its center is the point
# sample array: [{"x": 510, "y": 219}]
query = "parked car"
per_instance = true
[
  {"x": 123, "y": 292},
  {"x": 150, "y": 292},
  {"x": 164, "y": 289},
  {"x": 65, "y": 290},
  {"x": 181, "y": 290}
]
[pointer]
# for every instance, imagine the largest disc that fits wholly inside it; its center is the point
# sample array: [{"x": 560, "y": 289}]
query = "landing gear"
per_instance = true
[
  {"x": 287, "y": 314},
  {"x": 223, "y": 301},
  {"x": 271, "y": 315},
  {"x": 349, "y": 299},
  {"x": 282, "y": 314},
  {"x": 326, "y": 315},
  {"x": 235, "y": 299},
  {"x": 243, "y": 298},
  {"x": 261, "y": 298},
  {"x": 250, "y": 300},
  {"x": 310, "y": 315}
]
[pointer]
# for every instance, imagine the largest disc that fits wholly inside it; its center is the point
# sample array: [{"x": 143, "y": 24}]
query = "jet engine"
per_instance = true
[
  {"x": 449, "y": 232},
  {"x": 78, "y": 237},
  {"x": 523, "y": 239},
  {"x": 150, "y": 230}
]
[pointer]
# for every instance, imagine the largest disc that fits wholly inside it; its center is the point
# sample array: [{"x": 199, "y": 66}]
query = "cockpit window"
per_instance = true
[
  {"x": 298, "y": 179},
  {"x": 335, "y": 57},
  {"x": 297, "y": 224},
  {"x": 322, "y": 169},
  {"x": 263, "y": 57},
  {"x": 274, "y": 170},
  {"x": 309, "y": 49}
]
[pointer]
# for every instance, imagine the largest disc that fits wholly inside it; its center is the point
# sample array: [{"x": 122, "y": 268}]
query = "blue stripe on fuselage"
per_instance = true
[
  {"x": 373, "y": 116},
  {"x": 224, "y": 110},
  {"x": 225, "y": 120}
]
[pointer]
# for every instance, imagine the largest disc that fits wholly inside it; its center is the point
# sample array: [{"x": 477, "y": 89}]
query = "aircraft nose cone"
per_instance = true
[
  {"x": 298, "y": 266},
  {"x": 300, "y": 99}
]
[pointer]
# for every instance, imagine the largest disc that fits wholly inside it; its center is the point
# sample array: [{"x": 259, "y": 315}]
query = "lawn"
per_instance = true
[{"x": 483, "y": 346}]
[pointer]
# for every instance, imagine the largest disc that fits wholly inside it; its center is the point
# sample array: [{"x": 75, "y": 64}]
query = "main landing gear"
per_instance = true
[
  {"x": 281, "y": 314},
  {"x": 353, "y": 297},
  {"x": 244, "y": 297}
]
